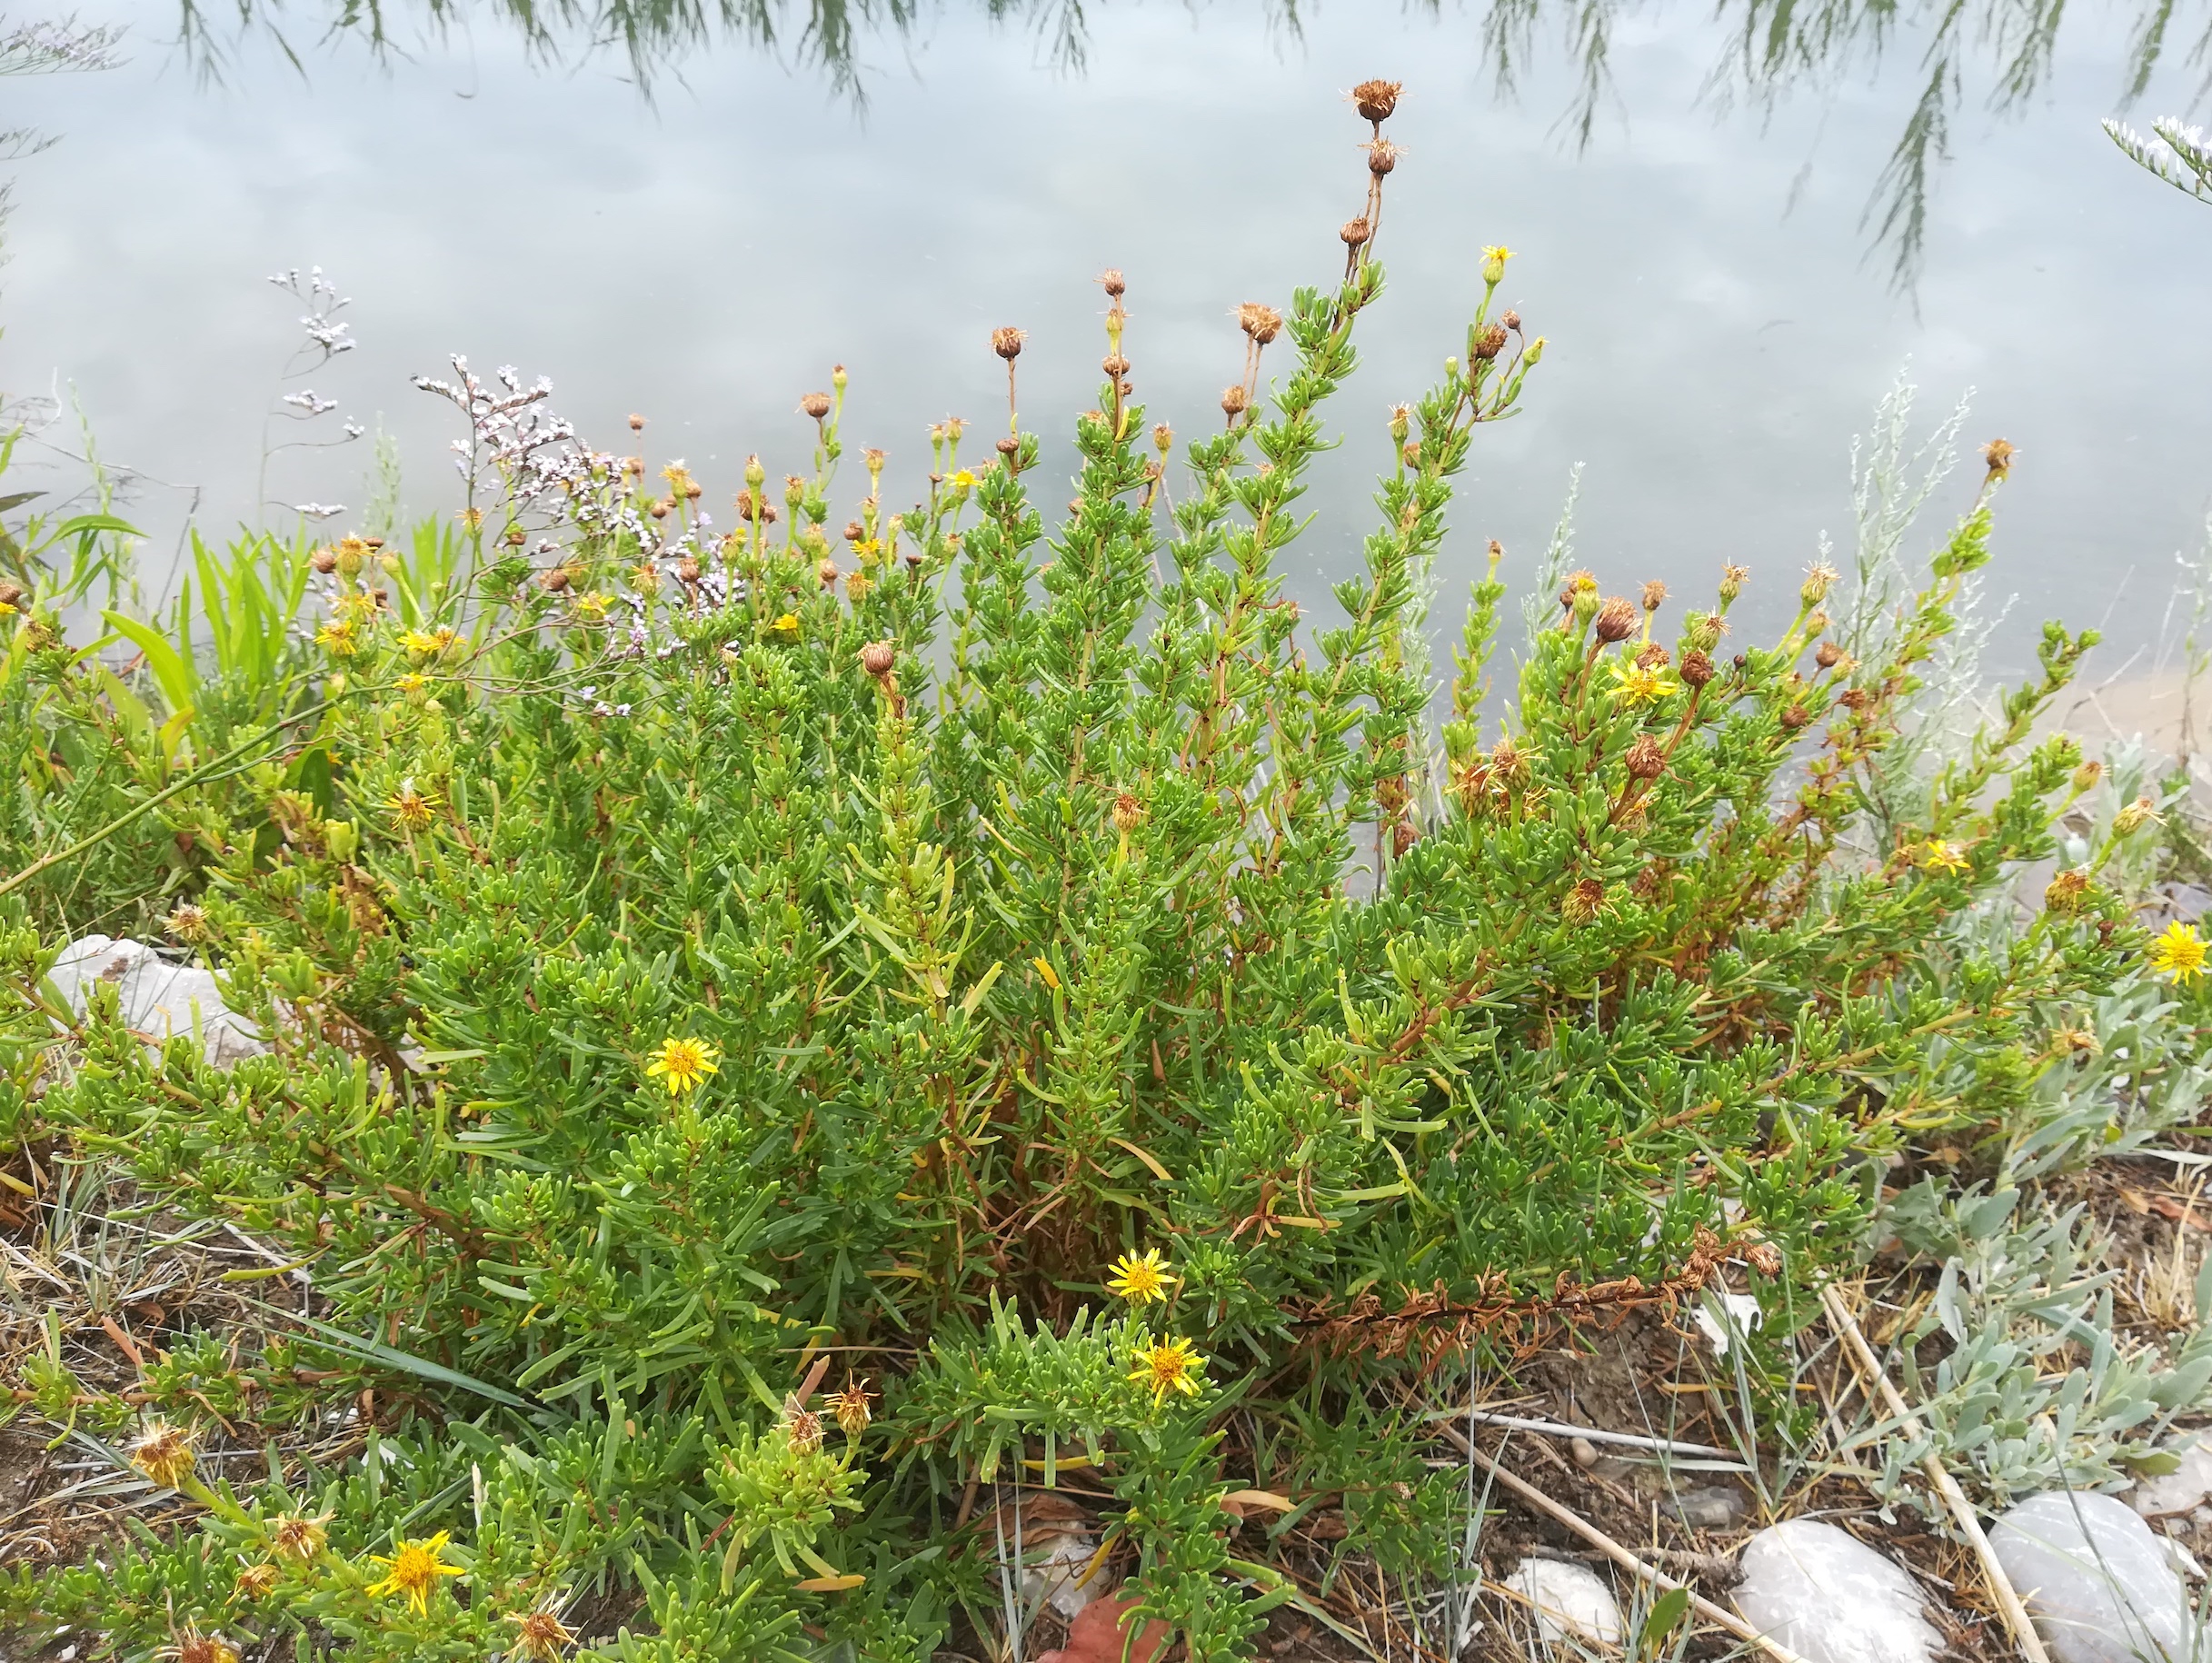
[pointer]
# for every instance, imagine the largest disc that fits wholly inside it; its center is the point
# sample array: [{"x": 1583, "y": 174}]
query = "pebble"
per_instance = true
[
  {"x": 1832, "y": 1599},
  {"x": 158, "y": 998},
  {"x": 1584, "y": 1451},
  {"x": 2100, "y": 1586},
  {"x": 2181, "y": 1490},
  {"x": 1572, "y": 1601},
  {"x": 1708, "y": 1510}
]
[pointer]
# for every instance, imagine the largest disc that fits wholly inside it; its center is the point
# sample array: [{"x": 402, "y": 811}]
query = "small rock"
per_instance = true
[
  {"x": 2101, "y": 1587},
  {"x": 1708, "y": 1510},
  {"x": 158, "y": 998},
  {"x": 2181, "y": 1490},
  {"x": 1584, "y": 1451},
  {"x": 1572, "y": 1601},
  {"x": 1832, "y": 1599}
]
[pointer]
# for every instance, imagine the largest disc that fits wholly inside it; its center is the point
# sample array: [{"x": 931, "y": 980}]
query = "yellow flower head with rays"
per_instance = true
[
  {"x": 1635, "y": 685},
  {"x": 2179, "y": 953},
  {"x": 683, "y": 1065},
  {"x": 788, "y": 623},
  {"x": 1936, "y": 855},
  {"x": 414, "y": 1570},
  {"x": 414, "y": 807},
  {"x": 1168, "y": 1365},
  {"x": 337, "y": 638},
  {"x": 1141, "y": 1277}
]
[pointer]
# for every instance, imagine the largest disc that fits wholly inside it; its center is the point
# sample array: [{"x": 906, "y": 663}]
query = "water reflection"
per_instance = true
[{"x": 2006, "y": 51}]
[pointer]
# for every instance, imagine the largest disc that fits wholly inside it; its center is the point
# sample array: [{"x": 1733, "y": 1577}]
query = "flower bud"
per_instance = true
[
  {"x": 1493, "y": 265},
  {"x": 1401, "y": 417},
  {"x": 1535, "y": 352},
  {"x": 1732, "y": 578},
  {"x": 837, "y": 377},
  {"x": 1583, "y": 602},
  {"x": 755, "y": 475},
  {"x": 1817, "y": 581},
  {"x": 1655, "y": 595},
  {"x": 1163, "y": 437}
]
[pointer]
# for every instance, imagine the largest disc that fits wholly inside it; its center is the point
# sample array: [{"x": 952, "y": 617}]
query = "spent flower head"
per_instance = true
[
  {"x": 1936, "y": 855},
  {"x": 539, "y": 1634},
  {"x": 162, "y": 1453}
]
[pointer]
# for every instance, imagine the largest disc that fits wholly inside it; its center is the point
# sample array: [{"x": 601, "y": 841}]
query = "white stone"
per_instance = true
[
  {"x": 2182, "y": 1490},
  {"x": 2100, "y": 1586},
  {"x": 158, "y": 998},
  {"x": 1572, "y": 1601},
  {"x": 1832, "y": 1599},
  {"x": 1058, "y": 1576}
]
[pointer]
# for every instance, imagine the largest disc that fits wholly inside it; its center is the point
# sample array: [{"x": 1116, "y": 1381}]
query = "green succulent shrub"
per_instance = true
[{"x": 778, "y": 1039}]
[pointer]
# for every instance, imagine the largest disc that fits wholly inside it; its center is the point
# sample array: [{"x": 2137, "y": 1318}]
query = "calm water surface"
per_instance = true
[{"x": 1723, "y": 314}]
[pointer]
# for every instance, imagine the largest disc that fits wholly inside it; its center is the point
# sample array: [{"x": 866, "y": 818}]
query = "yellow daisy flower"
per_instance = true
[
  {"x": 788, "y": 623},
  {"x": 337, "y": 638},
  {"x": 2177, "y": 953},
  {"x": 412, "y": 807},
  {"x": 1634, "y": 685},
  {"x": 1936, "y": 855},
  {"x": 415, "y": 1570},
  {"x": 1141, "y": 1277},
  {"x": 683, "y": 1065},
  {"x": 1168, "y": 1365}
]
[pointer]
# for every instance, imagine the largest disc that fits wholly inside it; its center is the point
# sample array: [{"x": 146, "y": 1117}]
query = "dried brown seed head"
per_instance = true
[
  {"x": 1235, "y": 401},
  {"x": 1616, "y": 619},
  {"x": 540, "y": 1635},
  {"x": 660, "y": 509},
  {"x": 555, "y": 580},
  {"x": 1128, "y": 813},
  {"x": 878, "y": 657},
  {"x": 1997, "y": 455},
  {"x": 854, "y": 531},
  {"x": 1009, "y": 446},
  {"x": 1645, "y": 759},
  {"x": 1828, "y": 655},
  {"x": 637, "y": 423},
  {"x": 1697, "y": 669},
  {"x": 1382, "y": 156},
  {"x": 1007, "y": 342},
  {"x": 1796, "y": 717},
  {"x": 826, "y": 569},
  {"x": 1114, "y": 283},
  {"x": 324, "y": 561},
  {"x": 1819, "y": 579},
  {"x": 1652, "y": 657},
  {"x": 1376, "y": 99},
  {"x": 816, "y": 405},
  {"x": 1511, "y": 320},
  {"x": 1356, "y": 233},
  {"x": 687, "y": 570},
  {"x": 1655, "y": 595},
  {"x": 1163, "y": 437},
  {"x": 1114, "y": 365},
  {"x": 1489, "y": 341},
  {"x": 1403, "y": 836},
  {"x": 1260, "y": 321}
]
